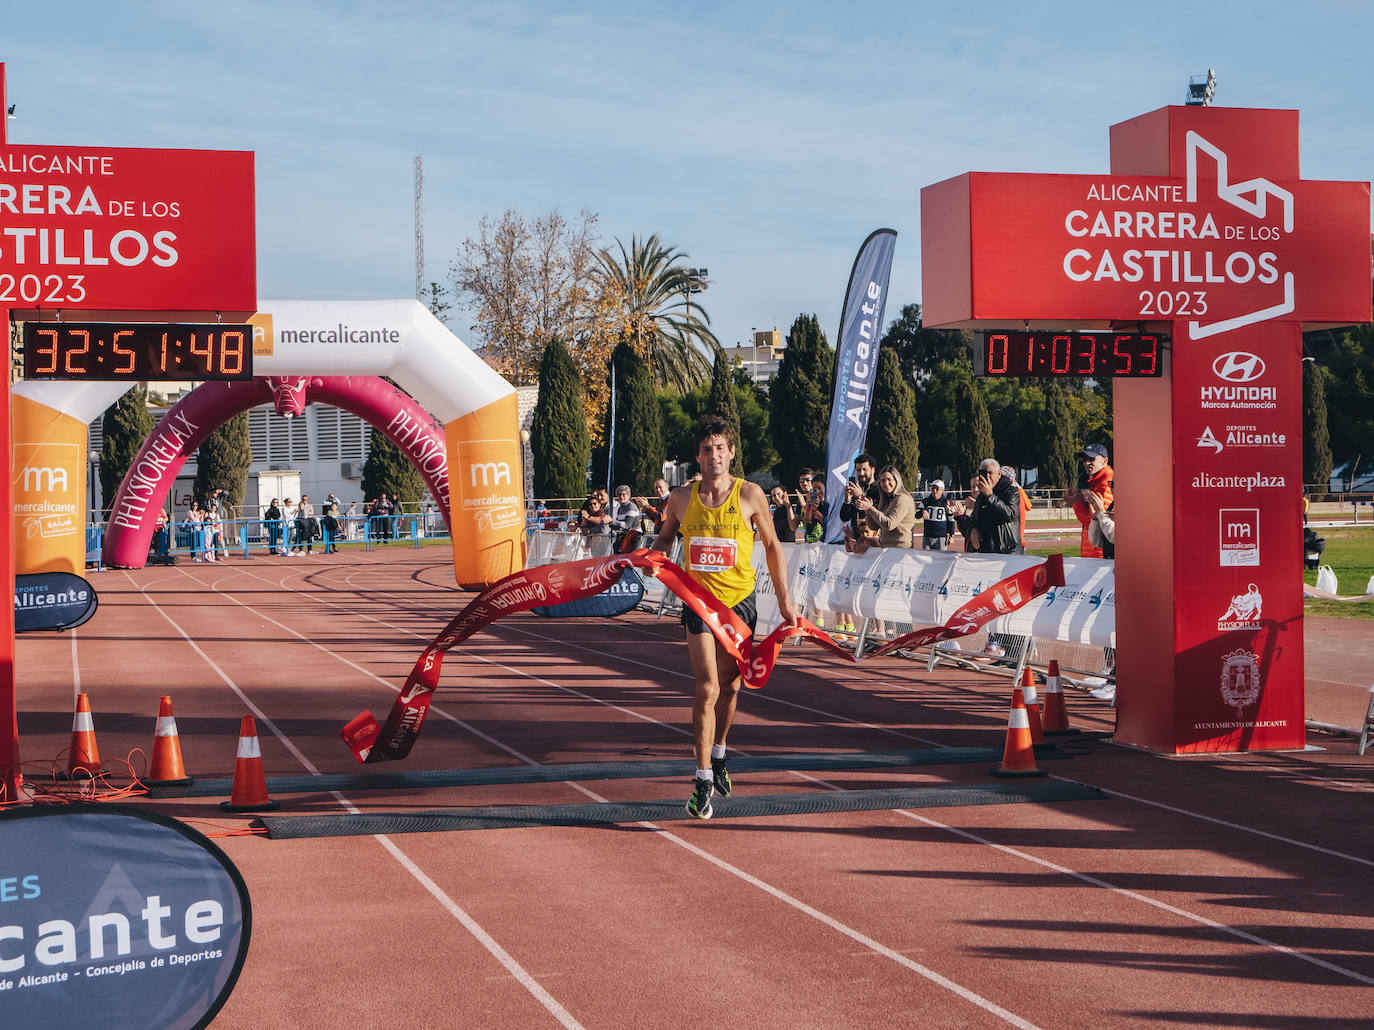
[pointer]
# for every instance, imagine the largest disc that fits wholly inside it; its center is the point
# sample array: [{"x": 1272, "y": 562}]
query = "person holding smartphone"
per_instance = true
[
  {"x": 1096, "y": 477},
  {"x": 994, "y": 516}
]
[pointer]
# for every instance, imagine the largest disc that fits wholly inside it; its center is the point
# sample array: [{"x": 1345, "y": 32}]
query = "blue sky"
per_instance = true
[{"x": 764, "y": 139}]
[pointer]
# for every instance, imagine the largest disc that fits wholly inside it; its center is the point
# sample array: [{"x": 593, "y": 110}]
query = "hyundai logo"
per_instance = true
[{"x": 1238, "y": 366}]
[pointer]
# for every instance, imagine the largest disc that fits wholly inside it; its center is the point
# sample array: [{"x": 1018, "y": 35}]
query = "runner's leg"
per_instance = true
[
  {"x": 702, "y": 649},
  {"x": 727, "y": 696}
]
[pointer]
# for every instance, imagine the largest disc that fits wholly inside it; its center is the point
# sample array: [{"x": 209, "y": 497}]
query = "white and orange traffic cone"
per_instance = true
[
  {"x": 1056, "y": 716},
  {"x": 1018, "y": 756},
  {"x": 249, "y": 793},
  {"x": 1032, "y": 700},
  {"x": 84, "y": 756},
  {"x": 166, "y": 768}
]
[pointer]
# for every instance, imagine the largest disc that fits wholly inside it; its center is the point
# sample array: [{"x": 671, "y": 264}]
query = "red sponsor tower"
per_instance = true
[
  {"x": 111, "y": 235},
  {"x": 1203, "y": 231}
]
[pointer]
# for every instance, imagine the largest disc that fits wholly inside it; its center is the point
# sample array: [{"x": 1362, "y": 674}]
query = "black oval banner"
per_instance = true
[
  {"x": 115, "y": 917},
  {"x": 52, "y": 600}
]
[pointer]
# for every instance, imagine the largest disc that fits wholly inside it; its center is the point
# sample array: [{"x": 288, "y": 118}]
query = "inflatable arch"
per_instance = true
[
  {"x": 328, "y": 340},
  {"x": 133, "y": 516}
]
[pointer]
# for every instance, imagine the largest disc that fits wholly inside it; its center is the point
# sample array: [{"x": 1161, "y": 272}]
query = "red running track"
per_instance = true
[{"x": 1211, "y": 891}]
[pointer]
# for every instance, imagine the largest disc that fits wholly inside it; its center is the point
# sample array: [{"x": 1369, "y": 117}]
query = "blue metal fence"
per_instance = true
[{"x": 246, "y": 538}]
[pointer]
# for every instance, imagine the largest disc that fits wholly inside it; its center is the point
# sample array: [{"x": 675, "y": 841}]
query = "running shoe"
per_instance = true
[
  {"x": 722, "y": 777},
  {"x": 699, "y": 804}
]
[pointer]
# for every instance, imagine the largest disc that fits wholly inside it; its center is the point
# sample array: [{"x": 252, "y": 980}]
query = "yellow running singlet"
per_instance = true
[{"x": 718, "y": 546}]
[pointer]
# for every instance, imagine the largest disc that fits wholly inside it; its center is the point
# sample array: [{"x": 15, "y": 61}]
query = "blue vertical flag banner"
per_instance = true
[{"x": 856, "y": 368}]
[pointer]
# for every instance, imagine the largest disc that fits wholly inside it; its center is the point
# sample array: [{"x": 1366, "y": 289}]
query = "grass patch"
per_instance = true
[{"x": 1349, "y": 552}]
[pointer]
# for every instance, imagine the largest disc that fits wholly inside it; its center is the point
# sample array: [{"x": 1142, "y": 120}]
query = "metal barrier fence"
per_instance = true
[
  {"x": 992, "y": 650},
  {"x": 244, "y": 538}
]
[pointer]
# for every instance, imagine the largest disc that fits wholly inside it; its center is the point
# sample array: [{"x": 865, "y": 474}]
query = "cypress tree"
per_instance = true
[
  {"x": 388, "y": 470},
  {"x": 892, "y": 433},
  {"x": 1316, "y": 436},
  {"x": 800, "y": 395},
  {"x": 222, "y": 463},
  {"x": 126, "y": 425},
  {"x": 558, "y": 432},
  {"x": 972, "y": 427},
  {"x": 638, "y": 458},
  {"x": 756, "y": 443},
  {"x": 721, "y": 401},
  {"x": 1059, "y": 460}
]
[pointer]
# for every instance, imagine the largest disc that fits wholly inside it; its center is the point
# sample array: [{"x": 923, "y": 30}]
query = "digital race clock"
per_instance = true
[
  {"x": 137, "y": 351},
  {"x": 1049, "y": 354}
]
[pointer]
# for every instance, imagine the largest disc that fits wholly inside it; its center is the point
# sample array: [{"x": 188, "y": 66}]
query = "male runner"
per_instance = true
[{"x": 718, "y": 517}]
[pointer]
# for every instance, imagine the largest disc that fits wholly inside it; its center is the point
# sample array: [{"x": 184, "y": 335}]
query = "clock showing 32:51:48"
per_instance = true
[{"x": 137, "y": 351}]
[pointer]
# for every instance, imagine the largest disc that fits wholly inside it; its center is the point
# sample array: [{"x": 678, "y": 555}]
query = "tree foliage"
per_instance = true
[
  {"x": 1316, "y": 437},
  {"x": 387, "y": 469},
  {"x": 680, "y": 413},
  {"x": 892, "y": 433},
  {"x": 800, "y": 395},
  {"x": 526, "y": 282},
  {"x": 720, "y": 400},
  {"x": 1016, "y": 408},
  {"x": 638, "y": 457},
  {"x": 222, "y": 463},
  {"x": 973, "y": 440},
  {"x": 1059, "y": 463},
  {"x": 921, "y": 351},
  {"x": 125, "y": 426},
  {"x": 756, "y": 442},
  {"x": 1347, "y": 358},
  {"x": 656, "y": 314},
  {"x": 558, "y": 431}
]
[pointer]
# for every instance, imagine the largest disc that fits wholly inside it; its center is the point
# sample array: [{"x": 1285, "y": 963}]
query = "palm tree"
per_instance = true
[{"x": 656, "y": 313}]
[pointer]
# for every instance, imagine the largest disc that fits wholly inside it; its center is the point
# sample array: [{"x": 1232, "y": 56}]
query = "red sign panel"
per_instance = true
[
  {"x": 1214, "y": 253},
  {"x": 1237, "y": 484},
  {"x": 127, "y": 230}
]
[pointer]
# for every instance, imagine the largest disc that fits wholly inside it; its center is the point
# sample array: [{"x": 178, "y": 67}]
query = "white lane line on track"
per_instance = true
[
  {"x": 1144, "y": 899},
  {"x": 1123, "y": 891},
  {"x": 521, "y": 975},
  {"x": 1085, "y": 877},
  {"x": 753, "y": 694},
  {"x": 975, "y": 999}
]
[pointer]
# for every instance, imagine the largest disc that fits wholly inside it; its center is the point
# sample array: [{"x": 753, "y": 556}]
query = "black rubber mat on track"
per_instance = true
[
  {"x": 597, "y": 771},
  {"x": 736, "y": 807}
]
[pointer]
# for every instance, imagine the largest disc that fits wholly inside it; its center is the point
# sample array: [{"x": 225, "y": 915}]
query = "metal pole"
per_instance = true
[{"x": 11, "y": 779}]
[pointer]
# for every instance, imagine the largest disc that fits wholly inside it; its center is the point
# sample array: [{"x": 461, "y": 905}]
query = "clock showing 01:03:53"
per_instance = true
[
  {"x": 1045, "y": 355},
  {"x": 137, "y": 351}
]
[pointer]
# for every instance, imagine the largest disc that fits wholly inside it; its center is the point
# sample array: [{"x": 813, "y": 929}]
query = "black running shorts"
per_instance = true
[{"x": 748, "y": 610}]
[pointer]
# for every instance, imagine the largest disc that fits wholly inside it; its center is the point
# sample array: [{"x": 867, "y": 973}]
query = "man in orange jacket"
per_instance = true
[{"x": 1097, "y": 478}]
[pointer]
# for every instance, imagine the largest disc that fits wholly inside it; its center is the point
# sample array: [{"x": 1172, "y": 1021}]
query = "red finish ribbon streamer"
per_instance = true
[{"x": 573, "y": 581}]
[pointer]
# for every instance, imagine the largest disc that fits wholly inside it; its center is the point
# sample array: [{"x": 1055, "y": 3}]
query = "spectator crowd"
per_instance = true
[{"x": 878, "y": 509}]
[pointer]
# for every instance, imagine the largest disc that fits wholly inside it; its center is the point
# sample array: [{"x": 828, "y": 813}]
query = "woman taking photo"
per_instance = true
[{"x": 892, "y": 515}]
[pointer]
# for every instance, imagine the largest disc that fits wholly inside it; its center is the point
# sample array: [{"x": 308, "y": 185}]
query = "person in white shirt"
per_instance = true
[{"x": 288, "y": 517}]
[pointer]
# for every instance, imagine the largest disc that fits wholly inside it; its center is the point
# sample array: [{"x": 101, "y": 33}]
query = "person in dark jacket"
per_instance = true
[
  {"x": 272, "y": 518},
  {"x": 995, "y": 511}
]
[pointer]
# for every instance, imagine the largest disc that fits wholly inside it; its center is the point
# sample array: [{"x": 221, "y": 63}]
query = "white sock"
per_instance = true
[
  {"x": 706, "y": 774},
  {"x": 717, "y": 750}
]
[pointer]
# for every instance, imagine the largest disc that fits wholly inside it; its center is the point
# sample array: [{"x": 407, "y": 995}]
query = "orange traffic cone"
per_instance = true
[
  {"x": 1032, "y": 700},
  {"x": 84, "y": 760},
  {"x": 250, "y": 786},
  {"x": 1018, "y": 757},
  {"x": 1056, "y": 721},
  {"x": 166, "y": 768}
]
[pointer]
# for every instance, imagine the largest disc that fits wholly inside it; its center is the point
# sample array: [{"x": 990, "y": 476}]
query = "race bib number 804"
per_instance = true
[{"x": 712, "y": 554}]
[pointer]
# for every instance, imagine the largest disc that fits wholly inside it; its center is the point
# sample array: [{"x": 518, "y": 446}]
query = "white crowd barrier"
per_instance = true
[{"x": 901, "y": 586}]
